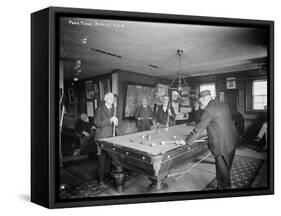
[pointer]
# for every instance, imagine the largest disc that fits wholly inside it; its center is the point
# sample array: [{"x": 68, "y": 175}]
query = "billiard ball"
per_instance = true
[
  {"x": 182, "y": 142},
  {"x": 163, "y": 143},
  {"x": 62, "y": 186},
  {"x": 142, "y": 136}
]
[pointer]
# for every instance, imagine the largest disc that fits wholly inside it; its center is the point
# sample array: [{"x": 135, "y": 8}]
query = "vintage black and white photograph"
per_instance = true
[{"x": 191, "y": 113}]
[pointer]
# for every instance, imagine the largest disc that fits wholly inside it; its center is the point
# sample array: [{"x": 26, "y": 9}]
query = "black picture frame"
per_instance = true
[{"x": 45, "y": 114}]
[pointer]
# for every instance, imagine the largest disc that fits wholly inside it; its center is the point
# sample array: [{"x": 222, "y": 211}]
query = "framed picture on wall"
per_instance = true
[
  {"x": 89, "y": 89},
  {"x": 231, "y": 83},
  {"x": 155, "y": 162},
  {"x": 105, "y": 87},
  {"x": 96, "y": 89},
  {"x": 161, "y": 90},
  {"x": 71, "y": 95}
]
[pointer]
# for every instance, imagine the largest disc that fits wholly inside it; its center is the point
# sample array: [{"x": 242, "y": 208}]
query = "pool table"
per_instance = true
[{"x": 154, "y": 153}]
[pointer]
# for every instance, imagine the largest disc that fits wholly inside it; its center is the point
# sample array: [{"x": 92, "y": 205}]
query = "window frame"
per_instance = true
[
  {"x": 209, "y": 83},
  {"x": 252, "y": 94},
  {"x": 249, "y": 94}
]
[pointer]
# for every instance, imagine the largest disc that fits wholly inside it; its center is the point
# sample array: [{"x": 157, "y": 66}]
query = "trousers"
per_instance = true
[
  {"x": 223, "y": 167},
  {"x": 104, "y": 166},
  {"x": 144, "y": 125}
]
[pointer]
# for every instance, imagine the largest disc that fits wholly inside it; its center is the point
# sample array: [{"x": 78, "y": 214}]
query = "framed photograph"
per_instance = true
[
  {"x": 89, "y": 89},
  {"x": 231, "y": 83},
  {"x": 164, "y": 159},
  {"x": 105, "y": 87},
  {"x": 161, "y": 90},
  {"x": 71, "y": 95},
  {"x": 96, "y": 89}
]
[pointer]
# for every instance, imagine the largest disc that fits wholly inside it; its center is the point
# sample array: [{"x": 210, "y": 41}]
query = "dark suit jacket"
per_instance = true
[
  {"x": 145, "y": 113},
  {"x": 162, "y": 116},
  {"x": 195, "y": 115},
  {"x": 84, "y": 126},
  {"x": 222, "y": 134},
  {"x": 104, "y": 128}
]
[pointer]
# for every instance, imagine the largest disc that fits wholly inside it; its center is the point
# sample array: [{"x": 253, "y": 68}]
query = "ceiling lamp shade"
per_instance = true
[{"x": 176, "y": 83}]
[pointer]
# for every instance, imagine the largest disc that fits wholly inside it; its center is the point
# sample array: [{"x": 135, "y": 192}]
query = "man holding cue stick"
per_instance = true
[
  {"x": 223, "y": 136},
  {"x": 106, "y": 122}
]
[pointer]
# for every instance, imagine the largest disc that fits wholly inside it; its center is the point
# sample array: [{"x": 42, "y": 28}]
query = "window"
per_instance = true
[
  {"x": 259, "y": 94},
  {"x": 209, "y": 86}
]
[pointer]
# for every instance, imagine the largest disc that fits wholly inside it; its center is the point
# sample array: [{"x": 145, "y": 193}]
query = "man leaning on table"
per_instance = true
[{"x": 223, "y": 136}]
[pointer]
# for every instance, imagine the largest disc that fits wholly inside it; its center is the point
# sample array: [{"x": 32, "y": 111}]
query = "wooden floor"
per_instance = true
[{"x": 198, "y": 178}]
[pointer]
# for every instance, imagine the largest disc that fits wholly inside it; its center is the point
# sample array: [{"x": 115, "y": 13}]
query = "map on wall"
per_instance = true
[{"x": 134, "y": 95}]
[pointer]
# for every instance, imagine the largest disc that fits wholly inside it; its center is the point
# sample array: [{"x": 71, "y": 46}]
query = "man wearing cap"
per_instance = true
[{"x": 223, "y": 136}]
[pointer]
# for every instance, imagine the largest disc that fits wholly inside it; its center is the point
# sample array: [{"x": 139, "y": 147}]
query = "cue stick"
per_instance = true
[
  {"x": 114, "y": 114},
  {"x": 61, "y": 121},
  {"x": 189, "y": 170},
  {"x": 168, "y": 118}
]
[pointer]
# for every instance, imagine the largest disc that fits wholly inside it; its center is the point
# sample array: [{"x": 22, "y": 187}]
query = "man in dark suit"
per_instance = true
[
  {"x": 104, "y": 121},
  {"x": 144, "y": 115},
  {"x": 87, "y": 132},
  {"x": 165, "y": 114},
  {"x": 223, "y": 136},
  {"x": 195, "y": 114}
]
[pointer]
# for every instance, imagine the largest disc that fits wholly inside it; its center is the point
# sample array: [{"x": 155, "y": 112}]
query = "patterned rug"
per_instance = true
[{"x": 243, "y": 172}]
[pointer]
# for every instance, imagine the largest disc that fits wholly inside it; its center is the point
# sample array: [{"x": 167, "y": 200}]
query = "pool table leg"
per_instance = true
[
  {"x": 157, "y": 185},
  {"x": 118, "y": 176}
]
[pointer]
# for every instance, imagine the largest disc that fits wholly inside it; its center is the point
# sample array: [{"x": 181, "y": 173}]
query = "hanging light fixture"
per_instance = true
[
  {"x": 179, "y": 88},
  {"x": 77, "y": 70}
]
